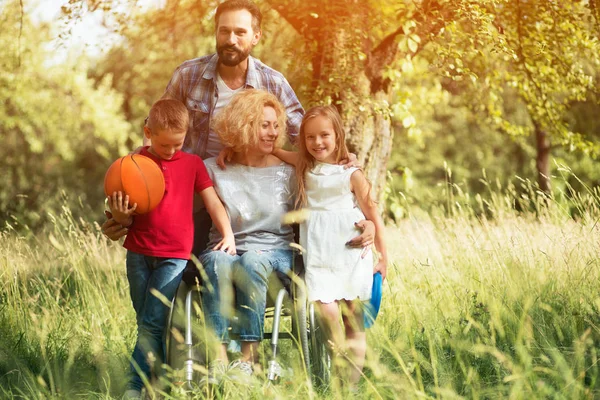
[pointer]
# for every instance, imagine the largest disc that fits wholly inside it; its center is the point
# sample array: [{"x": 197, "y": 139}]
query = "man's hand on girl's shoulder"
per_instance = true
[{"x": 351, "y": 161}]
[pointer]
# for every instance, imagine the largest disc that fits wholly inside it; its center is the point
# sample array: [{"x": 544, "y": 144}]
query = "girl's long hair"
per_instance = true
[{"x": 306, "y": 161}]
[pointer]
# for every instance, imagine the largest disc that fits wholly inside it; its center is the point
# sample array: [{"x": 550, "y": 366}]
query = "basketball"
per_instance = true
[{"x": 140, "y": 178}]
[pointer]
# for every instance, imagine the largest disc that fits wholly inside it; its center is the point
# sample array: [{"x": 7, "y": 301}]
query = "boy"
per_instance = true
[{"x": 159, "y": 243}]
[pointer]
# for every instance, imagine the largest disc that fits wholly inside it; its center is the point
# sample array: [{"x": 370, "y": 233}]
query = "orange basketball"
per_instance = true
[{"x": 140, "y": 178}]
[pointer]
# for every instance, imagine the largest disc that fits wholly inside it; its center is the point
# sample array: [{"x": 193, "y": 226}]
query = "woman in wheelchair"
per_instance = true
[{"x": 257, "y": 189}]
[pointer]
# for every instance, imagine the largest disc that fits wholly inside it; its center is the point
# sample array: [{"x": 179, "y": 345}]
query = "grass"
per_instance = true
[{"x": 481, "y": 302}]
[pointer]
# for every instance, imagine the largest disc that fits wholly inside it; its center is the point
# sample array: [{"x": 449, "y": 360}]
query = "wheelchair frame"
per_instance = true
[{"x": 306, "y": 331}]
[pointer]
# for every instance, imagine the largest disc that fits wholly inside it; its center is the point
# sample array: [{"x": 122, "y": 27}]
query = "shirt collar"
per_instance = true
[
  {"x": 251, "y": 74},
  {"x": 159, "y": 160},
  {"x": 210, "y": 72}
]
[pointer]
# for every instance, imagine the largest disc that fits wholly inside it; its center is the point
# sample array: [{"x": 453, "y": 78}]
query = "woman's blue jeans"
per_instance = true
[
  {"x": 146, "y": 275},
  {"x": 237, "y": 286}
]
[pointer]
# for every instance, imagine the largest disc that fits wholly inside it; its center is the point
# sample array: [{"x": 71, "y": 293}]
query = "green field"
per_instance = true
[{"x": 503, "y": 306}]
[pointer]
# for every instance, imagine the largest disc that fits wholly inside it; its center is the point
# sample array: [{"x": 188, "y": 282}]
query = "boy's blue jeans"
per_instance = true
[
  {"x": 242, "y": 277},
  {"x": 145, "y": 273}
]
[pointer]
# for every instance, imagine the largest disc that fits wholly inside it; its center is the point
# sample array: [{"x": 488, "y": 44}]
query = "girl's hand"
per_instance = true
[
  {"x": 119, "y": 206},
  {"x": 227, "y": 244},
  {"x": 381, "y": 266}
]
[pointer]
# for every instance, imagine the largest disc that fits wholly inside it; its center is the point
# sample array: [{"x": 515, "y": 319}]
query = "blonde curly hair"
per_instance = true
[{"x": 238, "y": 124}]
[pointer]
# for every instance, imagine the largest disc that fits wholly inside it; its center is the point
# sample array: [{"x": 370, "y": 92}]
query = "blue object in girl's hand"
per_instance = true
[{"x": 371, "y": 307}]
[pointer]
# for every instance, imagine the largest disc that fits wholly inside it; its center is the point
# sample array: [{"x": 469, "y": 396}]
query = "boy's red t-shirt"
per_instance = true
[{"x": 168, "y": 230}]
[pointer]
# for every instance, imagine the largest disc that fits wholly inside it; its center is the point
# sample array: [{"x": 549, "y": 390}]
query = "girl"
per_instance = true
[{"x": 338, "y": 278}]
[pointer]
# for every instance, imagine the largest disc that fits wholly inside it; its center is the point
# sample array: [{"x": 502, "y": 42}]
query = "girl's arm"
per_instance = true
[
  {"x": 220, "y": 219},
  {"x": 361, "y": 188},
  {"x": 290, "y": 157}
]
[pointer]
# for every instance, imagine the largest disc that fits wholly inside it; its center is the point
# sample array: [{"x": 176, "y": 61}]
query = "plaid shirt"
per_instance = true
[{"x": 194, "y": 84}]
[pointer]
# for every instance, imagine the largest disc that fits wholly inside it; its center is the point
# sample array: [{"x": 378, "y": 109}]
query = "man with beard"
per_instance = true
[{"x": 206, "y": 84}]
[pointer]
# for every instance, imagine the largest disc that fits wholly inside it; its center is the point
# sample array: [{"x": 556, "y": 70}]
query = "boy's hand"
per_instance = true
[
  {"x": 381, "y": 266},
  {"x": 224, "y": 155},
  {"x": 227, "y": 244},
  {"x": 119, "y": 206}
]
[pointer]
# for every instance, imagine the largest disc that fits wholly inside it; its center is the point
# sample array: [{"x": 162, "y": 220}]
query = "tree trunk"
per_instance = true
[
  {"x": 542, "y": 163},
  {"x": 369, "y": 136},
  {"x": 349, "y": 66}
]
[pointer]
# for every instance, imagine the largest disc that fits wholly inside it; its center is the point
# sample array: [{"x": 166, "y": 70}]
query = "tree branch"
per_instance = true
[
  {"x": 287, "y": 12},
  {"x": 429, "y": 24}
]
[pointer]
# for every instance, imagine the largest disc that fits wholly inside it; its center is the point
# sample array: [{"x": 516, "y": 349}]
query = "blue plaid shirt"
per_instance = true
[{"x": 194, "y": 84}]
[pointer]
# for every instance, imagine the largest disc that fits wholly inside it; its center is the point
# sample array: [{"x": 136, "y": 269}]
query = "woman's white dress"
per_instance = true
[{"x": 333, "y": 271}]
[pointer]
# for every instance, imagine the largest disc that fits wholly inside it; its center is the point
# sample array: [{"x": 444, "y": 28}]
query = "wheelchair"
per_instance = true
[{"x": 184, "y": 350}]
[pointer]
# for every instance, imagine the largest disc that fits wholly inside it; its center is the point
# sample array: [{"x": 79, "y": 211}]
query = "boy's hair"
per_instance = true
[
  {"x": 306, "y": 161},
  {"x": 168, "y": 114},
  {"x": 234, "y": 5},
  {"x": 239, "y": 122}
]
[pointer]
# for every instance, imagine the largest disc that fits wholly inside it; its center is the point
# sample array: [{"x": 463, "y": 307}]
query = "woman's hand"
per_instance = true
[
  {"x": 227, "y": 244},
  {"x": 112, "y": 229},
  {"x": 367, "y": 236}
]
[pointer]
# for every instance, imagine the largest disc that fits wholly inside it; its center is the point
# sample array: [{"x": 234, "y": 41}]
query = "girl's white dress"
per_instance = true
[{"x": 333, "y": 271}]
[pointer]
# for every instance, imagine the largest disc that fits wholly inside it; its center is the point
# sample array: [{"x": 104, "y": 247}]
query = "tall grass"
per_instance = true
[{"x": 482, "y": 301}]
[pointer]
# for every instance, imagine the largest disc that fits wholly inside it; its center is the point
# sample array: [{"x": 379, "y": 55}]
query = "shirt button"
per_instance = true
[{"x": 164, "y": 168}]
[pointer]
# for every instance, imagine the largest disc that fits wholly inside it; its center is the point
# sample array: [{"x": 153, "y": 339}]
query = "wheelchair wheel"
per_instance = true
[{"x": 320, "y": 358}]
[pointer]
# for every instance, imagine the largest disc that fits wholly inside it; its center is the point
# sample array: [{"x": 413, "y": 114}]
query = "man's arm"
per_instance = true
[
  {"x": 293, "y": 110},
  {"x": 112, "y": 229}
]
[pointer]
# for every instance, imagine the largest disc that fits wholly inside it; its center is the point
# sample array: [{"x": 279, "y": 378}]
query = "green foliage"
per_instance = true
[
  {"x": 473, "y": 307},
  {"x": 457, "y": 76},
  {"x": 59, "y": 128},
  {"x": 153, "y": 44},
  {"x": 543, "y": 53}
]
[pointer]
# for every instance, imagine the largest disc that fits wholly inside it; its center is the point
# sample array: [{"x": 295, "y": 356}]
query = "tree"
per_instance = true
[
  {"x": 351, "y": 66},
  {"x": 545, "y": 53},
  {"x": 153, "y": 44},
  {"x": 58, "y": 128}
]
